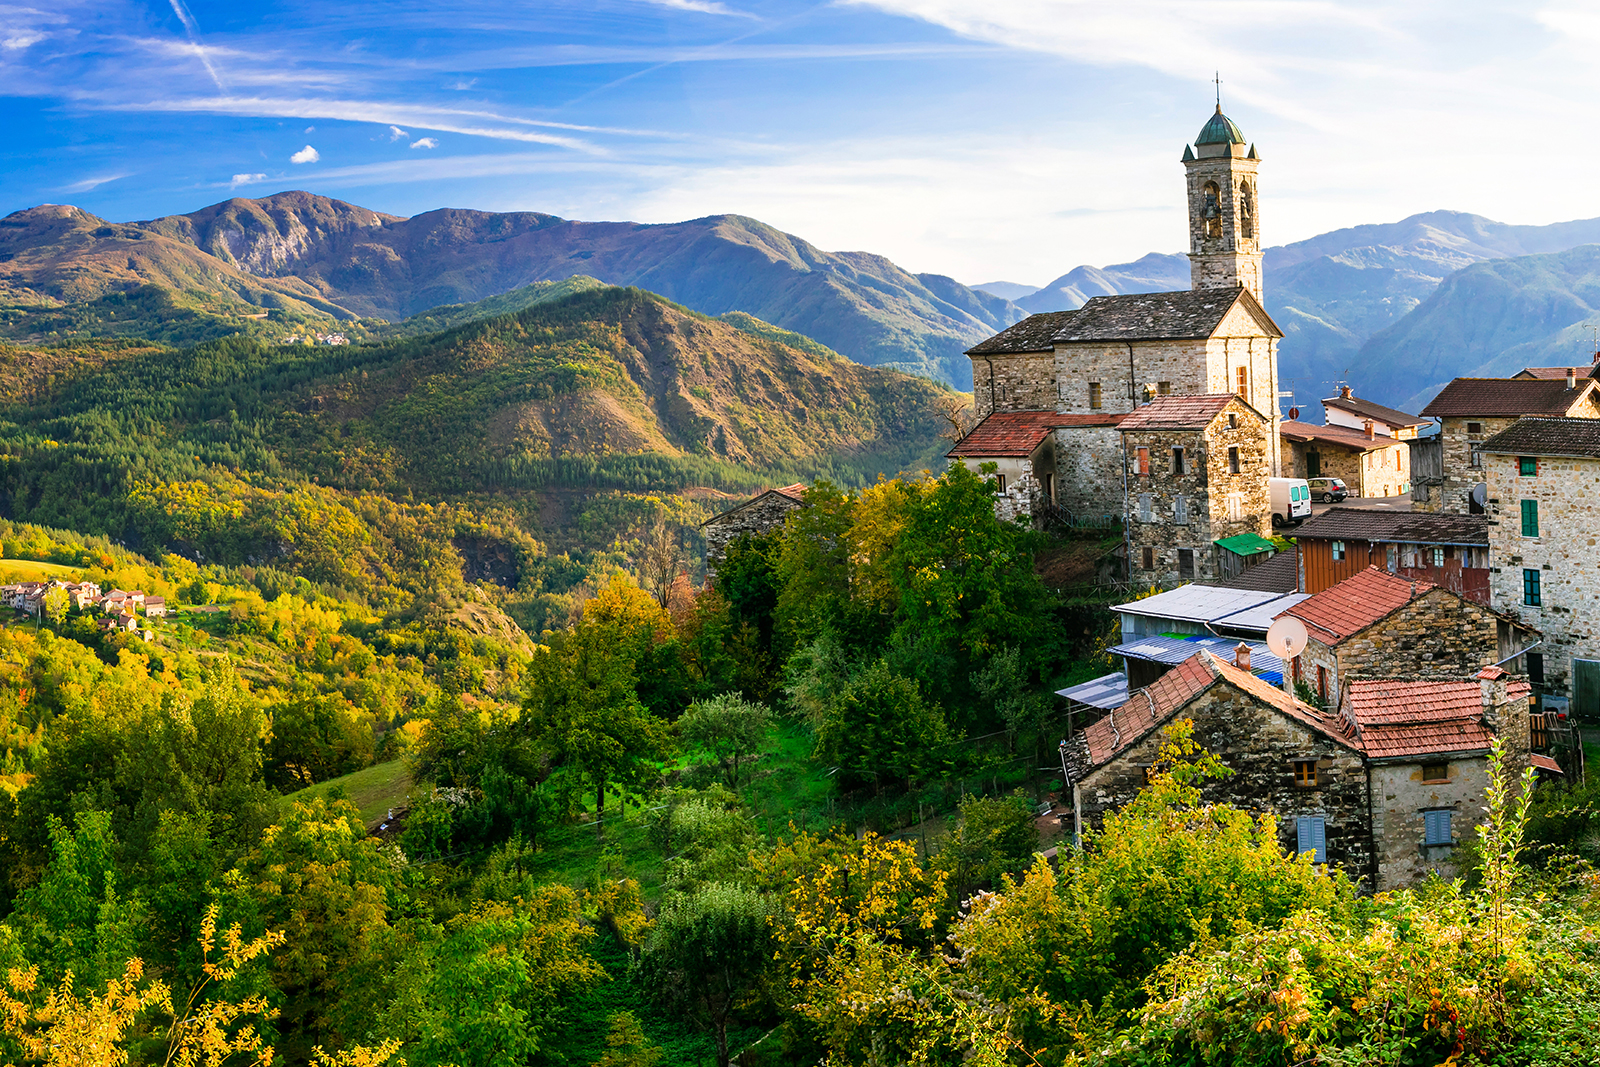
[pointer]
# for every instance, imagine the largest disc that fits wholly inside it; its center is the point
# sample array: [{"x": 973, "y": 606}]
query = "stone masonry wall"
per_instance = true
[
  {"x": 1181, "y": 364},
  {"x": 1564, "y": 554},
  {"x": 1260, "y": 745},
  {"x": 1088, "y": 470},
  {"x": 1246, "y": 494},
  {"x": 763, "y": 516},
  {"x": 1019, "y": 383},
  {"x": 1459, "y": 475},
  {"x": 1399, "y": 799}
]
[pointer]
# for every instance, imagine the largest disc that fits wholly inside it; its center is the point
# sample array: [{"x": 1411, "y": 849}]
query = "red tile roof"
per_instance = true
[
  {"x": 1545, "y": 763},
  {"x": 1400, "y": 718},
  {"x": 1506, "y": 397},
  {"x": 1557, "y": 372},
  {"x": 1018, "y": 433},
  {"x": 1355, "y": 603},
  {"x": 1179, "y": 412},
  {"x": 1335, "y": 435},
  {"x": 1411, "y": 740},
  {"x": 795, "y": 491}
]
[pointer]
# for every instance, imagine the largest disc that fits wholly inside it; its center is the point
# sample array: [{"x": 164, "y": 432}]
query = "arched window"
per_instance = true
[
  {"x": 1211, "y": 209},
  {"x": 1247, "y": 212}
]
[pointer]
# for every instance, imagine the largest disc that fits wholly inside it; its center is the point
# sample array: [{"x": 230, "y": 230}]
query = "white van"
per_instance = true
[{"x": 1291, "y": 501}]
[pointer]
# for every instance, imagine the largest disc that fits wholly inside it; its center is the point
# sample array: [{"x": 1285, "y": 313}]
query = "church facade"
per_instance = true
[{"x": 1074, "y": 376}]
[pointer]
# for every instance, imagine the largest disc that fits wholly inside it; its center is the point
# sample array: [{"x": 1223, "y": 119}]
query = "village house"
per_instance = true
[
  {"x": 1380, "y": 625},
  {"x": 1446, "y": 550},
  {"x": 1117, "y": 353},
  {"x": 155, "y": 607},
  {"x": 1543, "y": 477},
  {"x": 1197, "y": 474},
  {"x": 1369, "y": 464},
  {"x": 1591, "y": 371},
  {"x": 1388, "y": 785},
  {"x": 113, "y": 602},
  {"x": 1353, "y": 413},
  {"x": 1445, "y": 470},
  {"x": 83, "y": 595},
  {"x": 760, "y": 515}
]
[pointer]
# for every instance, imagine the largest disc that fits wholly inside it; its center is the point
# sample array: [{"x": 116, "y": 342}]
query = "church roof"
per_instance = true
[
  {"x": 1185, "y": 315},
  {"x": 1219, "y": 129}
]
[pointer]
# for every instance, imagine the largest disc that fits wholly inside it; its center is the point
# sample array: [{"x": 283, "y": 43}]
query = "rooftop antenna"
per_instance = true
[{"x": 1594, "y": 339}]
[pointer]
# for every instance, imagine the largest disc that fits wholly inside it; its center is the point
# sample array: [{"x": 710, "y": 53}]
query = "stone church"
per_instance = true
[{"x": 1053, "y": 390}]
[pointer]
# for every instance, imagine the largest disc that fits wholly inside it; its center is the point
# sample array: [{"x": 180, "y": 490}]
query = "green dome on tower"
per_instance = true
[{"x": 1219, "y": 130}]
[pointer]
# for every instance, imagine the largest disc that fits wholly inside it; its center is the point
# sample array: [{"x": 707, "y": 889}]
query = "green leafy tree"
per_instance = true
[
  {"x": 995, "y": 837},
  {"x": 626, "y": 1045},
  {"x": 55, "y": 605},
  {"x": 727, "y": 726},
  {"x": 881, "y": 729},
  {"x": 707, "y": 952}
]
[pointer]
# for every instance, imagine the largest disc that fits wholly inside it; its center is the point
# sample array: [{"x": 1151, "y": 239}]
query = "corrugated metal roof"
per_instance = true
[
  {"x": 1197, "y": 603},
  {"x": 1246, "y": 544},
  {"x": 1261, "y": 616},
  {"x": 1166, "y": 648},
  {"x": 1107, "y": 691}
]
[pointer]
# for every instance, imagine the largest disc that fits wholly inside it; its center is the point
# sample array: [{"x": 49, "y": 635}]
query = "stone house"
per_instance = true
[
  {"x": 1353, "y": 413},
  {"x": 1427, "y": 743},
  {"x": 1379, "y": 625},
  {"x": 1591, "y": 371},
  {"x": 1370, "y": 465},
  {"x": 759, "y": 515},
  {"x": 1543, "y": 477},
  {"x": 1450, "y": 551},
  {"x": 1118, "y": 352},
  {"x": 1024, "y": 448},
  {"x": 155, "y": 607},
  {"x": 83, "y": 595},
  {"x": 1470, "y": 411},
  {"x": 1388, "y": 786},
  {"x": 1197, "y": 473}
]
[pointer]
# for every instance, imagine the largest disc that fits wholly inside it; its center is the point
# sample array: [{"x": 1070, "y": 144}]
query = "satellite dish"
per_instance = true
[
  {"x": 1286, "y": 637},
  {"x": 1480, "y": 494},
  {"x": 1294, "y": 413}
]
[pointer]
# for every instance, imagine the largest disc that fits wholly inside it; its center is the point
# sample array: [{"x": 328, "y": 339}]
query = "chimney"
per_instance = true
[
  {"x": 1372, "y": 433},
  {"x": 1597, "y": 357},
  {"x": 1344, "y": 390},
  {"x": 1241, "y": 656},
  {"x": 1572, "y": 377}
]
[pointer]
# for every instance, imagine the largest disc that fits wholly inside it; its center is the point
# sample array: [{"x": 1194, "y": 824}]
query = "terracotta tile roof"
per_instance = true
[
  {"x": 1280, "y": 574},
  {"x": 1018, "y": 433},
  {"x": 1376, "y": 412},
  {"x": 1543, "y": 436},
  {"x": 1153, "y": 705},
  {"x": 1355, "y": 603},
  {"x": 795, "y": 491},
  {"x": 1411, "y": 740},
  {"x": 1335, "y": 435},
  {"x": 1380, "y": 701},
  {"x": 1035, "y": 333},
  {"x": 1545, "y": 763},
  {"x": 1396, "y": 527},
  {"x": 1506, "y": 397},
  {"x": 1557, "y": 372},
  {"x": 1178, "y": 412},
  {"x": 1189, "y": 314}
]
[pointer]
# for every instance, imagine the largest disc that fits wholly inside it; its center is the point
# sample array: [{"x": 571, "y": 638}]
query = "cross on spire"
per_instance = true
[{"x": 1218, "y": 80}]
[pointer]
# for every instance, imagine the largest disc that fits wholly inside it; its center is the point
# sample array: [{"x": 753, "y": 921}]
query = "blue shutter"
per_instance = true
[
  {"x": 1309, "y": 829},
  {"x": 1436, "y": 828}
]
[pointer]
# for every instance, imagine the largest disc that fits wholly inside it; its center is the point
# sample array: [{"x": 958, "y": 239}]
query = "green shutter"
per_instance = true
[{"x": 1530, "y": 518}]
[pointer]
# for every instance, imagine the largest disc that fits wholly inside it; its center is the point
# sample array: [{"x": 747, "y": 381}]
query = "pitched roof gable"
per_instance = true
[
  {"x": 1342, "y": 610},
  {"x": 1018, "y": 433},
  {"x": 1376, "y": 412},
  {"x": 1537, "y": 435},
  {"x": 1191, "y": 314},
  {"x": 1035, "y": 333},
  {"x": 789, "y": 494},
  {"x": 1409, "y": 718},
  {"x": 1183, "y": 412},
  {"x": 1507, "y": 397},
  {"x": 1335, "y": 435}
]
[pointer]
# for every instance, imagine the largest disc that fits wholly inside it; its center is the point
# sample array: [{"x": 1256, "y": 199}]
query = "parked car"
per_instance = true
[
  {"x": 1291, "y": 501},
  {"x": 1328, "y": 490}
]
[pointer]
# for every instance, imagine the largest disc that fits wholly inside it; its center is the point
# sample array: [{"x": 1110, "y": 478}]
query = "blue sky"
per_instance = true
[{"x": 986, "y": 139}]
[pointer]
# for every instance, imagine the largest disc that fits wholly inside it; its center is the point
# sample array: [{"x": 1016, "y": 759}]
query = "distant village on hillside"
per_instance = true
[{"x": 1439, "y": 603}]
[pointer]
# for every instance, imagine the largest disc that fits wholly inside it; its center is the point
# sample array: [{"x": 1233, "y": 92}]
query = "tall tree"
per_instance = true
[{"x": 727, "y": 726}]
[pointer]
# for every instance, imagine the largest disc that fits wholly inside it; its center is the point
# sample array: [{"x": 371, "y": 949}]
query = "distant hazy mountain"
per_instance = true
[
  {"x": 1012, "y": 291},
  {"x": 312, "y": 253},
  {"x": 1155, "y": 273}
]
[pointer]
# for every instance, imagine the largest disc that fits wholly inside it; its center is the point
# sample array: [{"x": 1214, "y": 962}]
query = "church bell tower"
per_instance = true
[{"x": 1224, "y": 213}]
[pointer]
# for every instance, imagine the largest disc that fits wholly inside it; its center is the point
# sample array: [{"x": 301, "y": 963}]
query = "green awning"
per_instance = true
[{"x": 1247, "y": 544}]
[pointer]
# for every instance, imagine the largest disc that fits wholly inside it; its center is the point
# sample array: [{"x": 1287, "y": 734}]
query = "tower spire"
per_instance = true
[{"x": 1218, "y": 79}]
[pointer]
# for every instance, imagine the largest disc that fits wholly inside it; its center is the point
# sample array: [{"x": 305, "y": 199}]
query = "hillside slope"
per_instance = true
[{"x": 346, "y": 260}]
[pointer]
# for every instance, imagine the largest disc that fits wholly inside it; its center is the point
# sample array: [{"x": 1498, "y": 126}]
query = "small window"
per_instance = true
[
  {"x": 1233, "y": 459},
  {"x": 1094, "y": 394},
  {"x": 1436, "y": 828},
  {"x": 1180, "y": 510},
  {"x": 1475, "y": 457},
  {"x": 1233, "y": 421},
  {"x": 1000, "y": 482},
  {"x": 1163, "y": 388},
  {"x": 1436, "y": 772},
  {"x": 1530, "y": 518},
  {"x": 1338, "y": 551},
  {"x": 1474, "y": 427},
  {"x": 1530, "y": 587},
  {"x": 1312, "y": 837},
  {"x": 1393, "y": 558},
  {"x": 1305, "y": 773},
  {"x": 1438, "y": 556},
  {"x": 1149, "y": 558},
  {"x": 1322, "y": 683},
  {"x": 1144, "y": 462},
  {"x": 1528, "y": 466},
  {"x": 1177, "y": 460},
  {"x": 1536, "y": 668},
  {"x": 1299, "y": 672},
  {"x": 1244, "y": 383},
  {"x": 1186, "y": 564},
  {"x": 1235, "y": 507},
  {"x": 1144, "y": 507}
]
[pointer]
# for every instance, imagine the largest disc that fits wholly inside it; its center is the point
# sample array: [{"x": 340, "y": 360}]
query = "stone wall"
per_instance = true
[
  {"x": 1383, "y": 472},
  {"x": 1458, "y": 475},
  {"x": 1230, "y": 259},
  {"x": 1088, "y": 470},
  {"x": 1399, "y": 800},
  {"x": 1568, "y": 492},
  {"x": 1013, "y": 383},
  {"x": 1125, "y": 375},
  {"x": 1260, "y": 745},
  {"x": 763, "y": 515}
]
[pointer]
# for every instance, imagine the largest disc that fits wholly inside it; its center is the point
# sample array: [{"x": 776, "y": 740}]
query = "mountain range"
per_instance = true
[
  {"x": 295, "y": 255},
  {"x": 1397, "y": 309}
]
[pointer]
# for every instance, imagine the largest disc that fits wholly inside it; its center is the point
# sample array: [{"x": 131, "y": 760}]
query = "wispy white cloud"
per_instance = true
[
  {"x": 86, "y": 184},
  {"x": 192, "y": 28},
  {"x": 246, "y": 179},
  {"x": 395, "y": 133},
  {"x": 704, "y": 7},
  {"x": 425, "y": 142},
  {"x": 20, "y": 39},
  {"x": 306, "y": 155}
]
